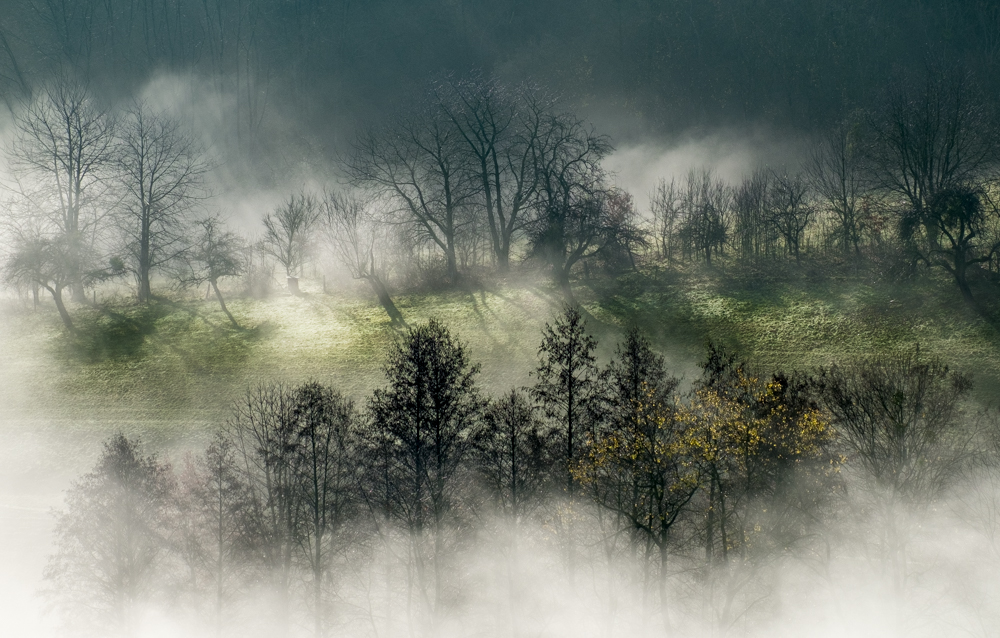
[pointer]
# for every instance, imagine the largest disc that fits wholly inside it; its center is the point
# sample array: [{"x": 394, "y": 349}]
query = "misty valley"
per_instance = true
[{"x": 449, "y": 318}]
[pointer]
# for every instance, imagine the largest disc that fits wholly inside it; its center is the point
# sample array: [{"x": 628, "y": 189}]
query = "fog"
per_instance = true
[{"x": 347, "y": 175}]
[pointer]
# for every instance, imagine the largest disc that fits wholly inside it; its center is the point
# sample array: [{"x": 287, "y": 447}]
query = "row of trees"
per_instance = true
[
  {"x": 305, "y": 498},
  {"x": 480, "y": 174}
]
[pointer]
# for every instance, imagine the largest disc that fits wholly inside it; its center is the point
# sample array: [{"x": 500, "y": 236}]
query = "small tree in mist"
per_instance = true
[
  {"x": 110, "y": 539},
  {"x": 215, "y": 254},
  {"x": 353, "y": 234},
  {"x": 51, "y": 263},
  {"x": 900, "y": 419},
  {"x": 421, "y": 421},
  {"x": 161, "y": 171},
  {"x": 287, "y": 235}
]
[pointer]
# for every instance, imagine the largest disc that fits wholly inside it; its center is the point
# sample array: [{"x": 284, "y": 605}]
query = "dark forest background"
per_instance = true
[{"x": 663, "y": 66}]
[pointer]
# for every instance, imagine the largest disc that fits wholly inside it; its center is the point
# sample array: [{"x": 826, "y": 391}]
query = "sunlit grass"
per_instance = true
[{"x": 179, "y": 360}]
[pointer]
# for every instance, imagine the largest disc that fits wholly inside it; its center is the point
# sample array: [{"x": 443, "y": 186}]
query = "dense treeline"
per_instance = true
[{"x": 362, "y": 518}]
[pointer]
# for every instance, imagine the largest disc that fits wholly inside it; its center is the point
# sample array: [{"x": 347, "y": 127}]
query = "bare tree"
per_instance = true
[
  {"x": 752, "y": 236},
  {"x": 287, "y": 235},
  {"x": 502, "y": 129},
  {"x": 212, "y": 504},
  {"x": 361, "y": 244},
  {"x": 417, "y": 161},
  {"x": 572, "y": 218},
  {"x": 61, "y": 153},
  {"x": 665, "y": 202},
  {"x": 837, "y": 174},
  {"x": 705, "y": 202},
  {"x": 789, "y": 211},
  {"x": 264, "y": 437},
  {"x": 161, "y": 171},
  {"x": 929, "y": 137}
]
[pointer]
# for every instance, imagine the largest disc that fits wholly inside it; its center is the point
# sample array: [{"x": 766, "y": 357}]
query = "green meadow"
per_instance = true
[{"x": 173, "y": 366}]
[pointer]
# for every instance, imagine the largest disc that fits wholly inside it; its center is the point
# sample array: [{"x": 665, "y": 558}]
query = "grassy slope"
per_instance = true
[{"x": 174, "y": 367}]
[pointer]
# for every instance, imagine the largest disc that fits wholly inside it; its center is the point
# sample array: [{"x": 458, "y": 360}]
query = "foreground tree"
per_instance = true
[
  {"x": 421, "y": 422},
  {"x": 265, "y": 443},
  {"x": 110, "y": 539},
  {"x": 211, "y": 515},
  {"x": 161, "y": 172},
  {"x": 900, "y": 418},
  {"x": 326, "y": 424}
]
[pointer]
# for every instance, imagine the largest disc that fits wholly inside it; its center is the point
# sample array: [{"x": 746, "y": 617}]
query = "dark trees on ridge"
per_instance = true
[{"x": 418, "y": 162}]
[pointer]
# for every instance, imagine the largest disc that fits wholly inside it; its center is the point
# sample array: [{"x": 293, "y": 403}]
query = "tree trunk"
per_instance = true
[
  {"x": 61, "y": 307},
  {"x": 218, "y": 295},
  {"x": 383, "y": 297}
]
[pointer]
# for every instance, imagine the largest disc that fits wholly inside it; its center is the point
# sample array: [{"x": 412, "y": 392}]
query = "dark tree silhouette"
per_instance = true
[
  {"x": 421, "y": 420},
  {"x": 900, "y": 419},
  {"x": 326, "y": 424}
]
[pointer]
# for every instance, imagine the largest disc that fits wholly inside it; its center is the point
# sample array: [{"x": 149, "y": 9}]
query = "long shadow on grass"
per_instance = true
[{"x": 105, "y": 333}]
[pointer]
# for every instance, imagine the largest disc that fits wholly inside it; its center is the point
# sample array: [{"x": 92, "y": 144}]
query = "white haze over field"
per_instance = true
[{"x": 729, "y": 154}]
